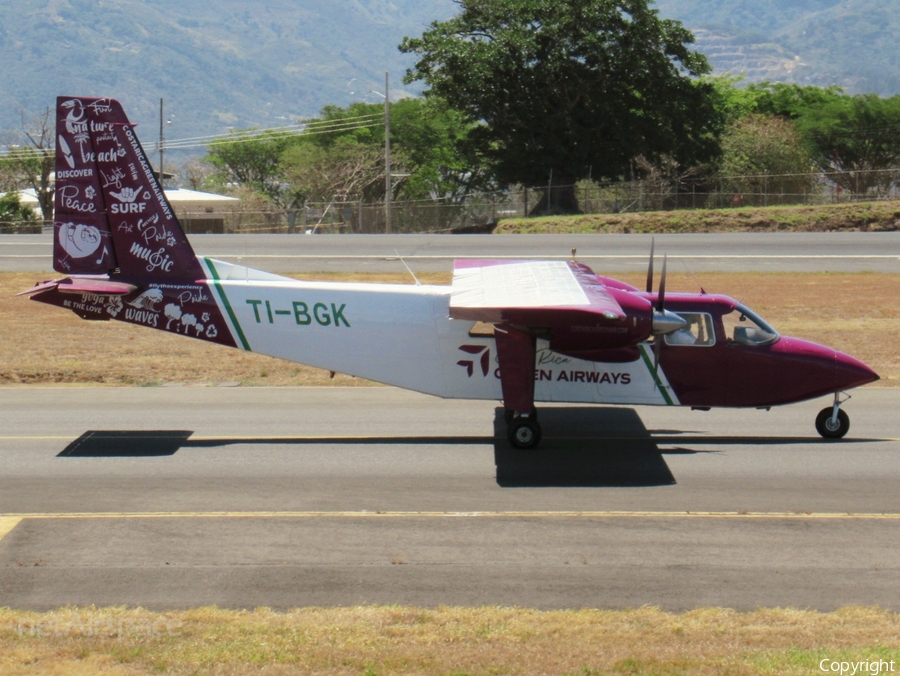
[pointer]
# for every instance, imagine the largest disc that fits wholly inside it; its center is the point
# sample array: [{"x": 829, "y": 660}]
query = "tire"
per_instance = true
[
  {"x": 827, "y": 429},
  {"x": 524, "y": 433}
]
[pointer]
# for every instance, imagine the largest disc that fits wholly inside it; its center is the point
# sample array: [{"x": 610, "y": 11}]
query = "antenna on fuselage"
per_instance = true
[{"x": 696, "y": 281}]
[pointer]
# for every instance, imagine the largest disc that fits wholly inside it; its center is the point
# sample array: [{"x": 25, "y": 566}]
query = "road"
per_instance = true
[
  {"x": 769, "y": 252},
  {"x": 244, "y": 497}
]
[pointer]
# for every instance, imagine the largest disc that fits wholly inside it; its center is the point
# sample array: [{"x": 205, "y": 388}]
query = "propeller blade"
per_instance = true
[
  {"x": 664, "y": 321},
  {"x": 650, "y": 267},
  {"x": 657, "y": 348},
  {"x": 661, "y": 299}
]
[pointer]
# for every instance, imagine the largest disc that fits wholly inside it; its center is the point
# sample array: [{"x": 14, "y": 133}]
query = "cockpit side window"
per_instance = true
[
  {"x": 699, "y": 330},
  {"x": 744, "y": 327}
]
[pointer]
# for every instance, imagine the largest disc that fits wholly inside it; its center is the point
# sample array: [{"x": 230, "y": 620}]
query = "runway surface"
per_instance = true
[
  {"x": 244, "y": 497},
  {"x": 771, "y": 252}
]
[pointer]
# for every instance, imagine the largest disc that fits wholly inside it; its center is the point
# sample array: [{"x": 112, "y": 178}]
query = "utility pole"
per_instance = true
[
  {"x": 387, "y": 155},
  {"x": 161, "y": 141}
]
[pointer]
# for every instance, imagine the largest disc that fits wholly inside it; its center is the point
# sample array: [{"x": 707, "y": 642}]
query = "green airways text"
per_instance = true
[{"x": 301, "y": 313}]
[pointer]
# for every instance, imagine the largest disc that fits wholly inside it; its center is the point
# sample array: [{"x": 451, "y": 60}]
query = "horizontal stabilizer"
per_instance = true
[{"x": 97, "y": 287}]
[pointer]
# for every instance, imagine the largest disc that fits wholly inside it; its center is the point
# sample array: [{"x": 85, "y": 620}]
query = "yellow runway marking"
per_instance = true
[
  {"x": 452, "y": 515},
  {"x": 7, "y": 523}
]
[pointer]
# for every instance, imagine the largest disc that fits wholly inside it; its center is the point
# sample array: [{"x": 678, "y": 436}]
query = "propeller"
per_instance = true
[{"x": 663, "y": 321}]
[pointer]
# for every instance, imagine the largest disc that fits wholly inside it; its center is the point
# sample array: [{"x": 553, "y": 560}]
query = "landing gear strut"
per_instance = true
[
  {"x": 516, "y": 351},
  {"x": 832, "y": 422}
]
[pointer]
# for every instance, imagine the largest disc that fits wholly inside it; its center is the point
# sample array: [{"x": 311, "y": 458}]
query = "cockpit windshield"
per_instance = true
[{"x": 745, "y": 327}]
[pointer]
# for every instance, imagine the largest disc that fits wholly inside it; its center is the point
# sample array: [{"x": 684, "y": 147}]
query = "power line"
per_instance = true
[
  {"x": 311, "y": 128},
  {"x": 275, "y": 136},
  {"x": 285, "y": 128}
]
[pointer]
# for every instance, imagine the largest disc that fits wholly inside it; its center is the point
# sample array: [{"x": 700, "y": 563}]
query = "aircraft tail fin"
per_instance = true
[{"x": 112, "y": 216}]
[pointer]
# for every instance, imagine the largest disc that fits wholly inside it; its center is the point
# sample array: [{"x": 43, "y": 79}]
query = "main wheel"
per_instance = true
[
  {"x": 832, "y": 429},
  {"x": 524, "y": 433}
]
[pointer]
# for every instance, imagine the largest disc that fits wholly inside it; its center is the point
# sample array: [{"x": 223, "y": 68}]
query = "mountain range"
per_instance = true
[{"x": 223, "y": 64}]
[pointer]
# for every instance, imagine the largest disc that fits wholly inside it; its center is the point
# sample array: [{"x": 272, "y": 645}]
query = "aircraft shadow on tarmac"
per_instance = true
[{"x": 582, "y": 446}]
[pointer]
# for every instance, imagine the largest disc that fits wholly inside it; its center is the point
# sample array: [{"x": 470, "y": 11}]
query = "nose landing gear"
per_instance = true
[{"x": 832, "y": 422}]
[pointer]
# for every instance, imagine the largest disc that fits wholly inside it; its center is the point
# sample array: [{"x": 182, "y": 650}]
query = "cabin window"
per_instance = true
[
  {"x": 699, "y": 330},
  {"x": 744, "y": 327}
]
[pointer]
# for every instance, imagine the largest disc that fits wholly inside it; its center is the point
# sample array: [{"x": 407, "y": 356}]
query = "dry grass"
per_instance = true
[
  {"x": 371, "y": 641},
  {"x": 39, "y": 344}
]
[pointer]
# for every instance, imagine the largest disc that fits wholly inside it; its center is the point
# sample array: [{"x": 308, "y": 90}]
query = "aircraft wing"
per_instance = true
[{"x": 528, "y": 292}]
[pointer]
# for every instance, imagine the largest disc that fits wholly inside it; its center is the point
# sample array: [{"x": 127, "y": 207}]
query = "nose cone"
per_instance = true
[
  {"x": 850, "y": 372},
  {"x": 827, "y": 370}
]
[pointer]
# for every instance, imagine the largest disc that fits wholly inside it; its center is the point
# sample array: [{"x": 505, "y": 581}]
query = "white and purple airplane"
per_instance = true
[{"x": 514, "y": 331}]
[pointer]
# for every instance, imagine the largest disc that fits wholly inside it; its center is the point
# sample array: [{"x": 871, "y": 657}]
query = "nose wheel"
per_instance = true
[{"x": 832, "y": 422}]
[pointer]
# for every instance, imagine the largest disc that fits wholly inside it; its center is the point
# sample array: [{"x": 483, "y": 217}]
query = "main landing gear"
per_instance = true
[
  {"x": 522, "y": 431},
  {"x": 832, "y": 422}
]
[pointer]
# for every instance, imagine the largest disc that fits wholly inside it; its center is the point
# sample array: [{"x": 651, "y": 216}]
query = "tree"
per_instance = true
[
  {"x": 790, "y": 101},
  {"x": 341, "y": 153},
  {"x": 253, "y": 160},
  {"x": 196, "y": 175},
  {"x": 427, "y": 138},
  {"x": 31, "y": 157},
  {"x": 572, "y": 88},
  {"x": 13, "y": 212},
  {"x": 765, "y": 153},
  {"x": 858, "y": 136},
  {"x": 346, "y": 170}
]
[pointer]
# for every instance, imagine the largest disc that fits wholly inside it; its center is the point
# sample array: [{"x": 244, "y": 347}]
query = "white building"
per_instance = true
[{"x": 197, "y": 211}]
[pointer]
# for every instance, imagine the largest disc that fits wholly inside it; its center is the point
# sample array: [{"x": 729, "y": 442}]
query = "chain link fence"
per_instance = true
[{"x": 480, "y": 212}]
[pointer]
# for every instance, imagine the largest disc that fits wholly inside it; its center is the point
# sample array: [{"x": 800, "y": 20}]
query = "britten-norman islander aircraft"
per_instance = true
[{"x": 520, "y": 332}]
